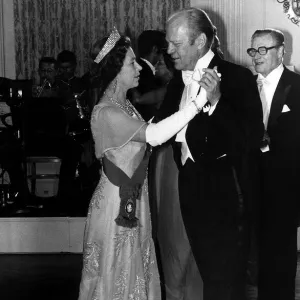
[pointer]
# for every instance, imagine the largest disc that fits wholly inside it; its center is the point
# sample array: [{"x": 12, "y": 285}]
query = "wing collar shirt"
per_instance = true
[
  {"x": 149, "y": 64},
  {"x": 190, "y": 92},
  {"x": 268, "y": 88}
]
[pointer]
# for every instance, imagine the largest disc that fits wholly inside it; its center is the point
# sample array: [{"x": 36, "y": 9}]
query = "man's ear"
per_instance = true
[
  {"x": 281, "y": 51},
  {"x": 201, "y": 40},
  {"x": 154, "y": 50}
]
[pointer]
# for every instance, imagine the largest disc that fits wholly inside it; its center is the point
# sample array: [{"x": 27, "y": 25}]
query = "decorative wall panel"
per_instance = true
[
  {"x": 236, "y": 20},
  {"x": 2, "y": 58},
  {"x": 7, "y": 40},
  {"x": 45, "y": 27},
  {"x": 226, "y": 15}
]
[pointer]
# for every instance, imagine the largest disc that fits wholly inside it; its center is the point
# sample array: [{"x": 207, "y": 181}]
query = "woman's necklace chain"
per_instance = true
[
  {"x": 127, "y": 107},
  {"x": 124, "y": 106}
]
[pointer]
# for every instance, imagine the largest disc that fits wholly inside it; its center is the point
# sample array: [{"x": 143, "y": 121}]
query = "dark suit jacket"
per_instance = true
[
  {"x": 281, "y": 165},
  {"x": 147, "y": 83},
  {"x": 235, "y": 130},
  {"x": 284, "y": 127}
]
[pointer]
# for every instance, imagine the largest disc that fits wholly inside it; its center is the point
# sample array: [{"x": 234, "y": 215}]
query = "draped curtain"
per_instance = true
[{"x": 46, "y": 27}]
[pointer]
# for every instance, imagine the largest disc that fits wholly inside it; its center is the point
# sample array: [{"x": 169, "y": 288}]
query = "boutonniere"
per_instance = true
[
  {"x": 206, "y": 107},
  {"x": 285, "y": 108}
]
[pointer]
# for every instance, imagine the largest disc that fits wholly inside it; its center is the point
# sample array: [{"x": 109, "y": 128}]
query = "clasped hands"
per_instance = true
[{"x": 210, "y": 81}]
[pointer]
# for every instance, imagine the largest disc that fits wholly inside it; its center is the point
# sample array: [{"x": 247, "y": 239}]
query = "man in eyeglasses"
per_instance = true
[{"x": 280, "y": 166}]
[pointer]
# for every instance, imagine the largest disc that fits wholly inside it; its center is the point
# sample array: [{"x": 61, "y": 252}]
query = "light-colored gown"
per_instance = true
[{"x": 118, "y": 262}]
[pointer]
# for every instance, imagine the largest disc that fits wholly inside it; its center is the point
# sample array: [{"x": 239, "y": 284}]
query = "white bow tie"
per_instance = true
[
  {"x": 189, "y": 76},
  {"x": 261, "y": 81}
]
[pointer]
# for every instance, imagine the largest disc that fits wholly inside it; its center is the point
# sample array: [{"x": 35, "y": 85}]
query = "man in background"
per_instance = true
[
  {"x": 67, "y": 63},
  {"x": 148, "y": 96},
  {"x": 74, "y": 91},
  {"x": 47, "y": 128},
  {"x": 48, "y": 85},
  {"x": 280, "y": 166}
]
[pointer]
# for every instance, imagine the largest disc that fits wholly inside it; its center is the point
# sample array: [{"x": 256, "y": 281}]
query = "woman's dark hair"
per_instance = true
[{"x": 103, "y": 73}]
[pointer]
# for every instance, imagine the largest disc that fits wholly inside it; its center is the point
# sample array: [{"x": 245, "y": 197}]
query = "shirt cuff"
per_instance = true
[{"x": 212, "y": 108}]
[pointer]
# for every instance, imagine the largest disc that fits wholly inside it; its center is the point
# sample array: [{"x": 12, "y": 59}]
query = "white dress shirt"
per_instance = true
[
  {"x": 268, "y": 89},
  {"x": 191, "y": 79}
]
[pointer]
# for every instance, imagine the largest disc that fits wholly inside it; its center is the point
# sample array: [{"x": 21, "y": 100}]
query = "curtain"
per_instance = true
[{"x": 46, "y": 27}]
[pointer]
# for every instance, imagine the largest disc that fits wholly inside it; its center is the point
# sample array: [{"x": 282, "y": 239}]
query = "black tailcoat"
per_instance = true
[
  {"x": 217, "y": 188},
  {"x": 280, "y": 198}
]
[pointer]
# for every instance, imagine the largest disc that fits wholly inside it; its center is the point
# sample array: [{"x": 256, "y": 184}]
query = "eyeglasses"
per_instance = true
[{"x": 261, "y": 50}]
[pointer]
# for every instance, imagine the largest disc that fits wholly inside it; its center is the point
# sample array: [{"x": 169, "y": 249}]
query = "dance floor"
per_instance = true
[
  {"x": 54, "y": 277},
  {"x": 40, "y": 276},
  {"x": 252, "y": 290}
]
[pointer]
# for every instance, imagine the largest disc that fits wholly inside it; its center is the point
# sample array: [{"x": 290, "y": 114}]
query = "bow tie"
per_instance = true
[
  {"x": 189, "y": 76},
  {"x": 261, "y": 81}
]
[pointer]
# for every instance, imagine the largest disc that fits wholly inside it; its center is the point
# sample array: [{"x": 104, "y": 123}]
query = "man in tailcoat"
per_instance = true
[
  {"x": 279, "y": 166},
  {"x": 215, "y": 152}
]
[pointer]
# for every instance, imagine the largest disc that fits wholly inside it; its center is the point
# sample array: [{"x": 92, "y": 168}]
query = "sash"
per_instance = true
[{"x": 129, "y": 188}]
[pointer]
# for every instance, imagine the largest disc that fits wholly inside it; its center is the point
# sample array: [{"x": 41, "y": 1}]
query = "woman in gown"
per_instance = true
[{"x": 119, "y": 260}]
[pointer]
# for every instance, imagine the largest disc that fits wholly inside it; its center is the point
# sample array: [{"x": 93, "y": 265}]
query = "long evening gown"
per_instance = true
[{"x": 118, "y": 262}]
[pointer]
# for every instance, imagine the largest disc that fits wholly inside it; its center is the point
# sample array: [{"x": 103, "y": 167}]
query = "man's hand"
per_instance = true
[{"x": 210, "y": 81}]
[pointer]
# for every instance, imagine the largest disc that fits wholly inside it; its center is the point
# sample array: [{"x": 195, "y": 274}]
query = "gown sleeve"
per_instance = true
[{"x": 112, "y": 128}]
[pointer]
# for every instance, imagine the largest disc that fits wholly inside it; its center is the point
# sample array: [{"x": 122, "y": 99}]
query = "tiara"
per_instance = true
[{"x": 109, "y": 44}]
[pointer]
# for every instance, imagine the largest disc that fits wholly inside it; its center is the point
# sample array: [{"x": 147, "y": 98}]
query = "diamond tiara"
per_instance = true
[{"x": 109, "y": 44}]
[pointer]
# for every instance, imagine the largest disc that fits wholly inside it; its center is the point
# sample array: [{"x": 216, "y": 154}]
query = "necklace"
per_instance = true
[
  {"x": 127, "y": 107},
  {"x": 124, "y": 106}
]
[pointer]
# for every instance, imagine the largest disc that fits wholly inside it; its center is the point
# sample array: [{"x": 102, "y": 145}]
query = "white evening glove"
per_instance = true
[{"x": 159, "y": 133}]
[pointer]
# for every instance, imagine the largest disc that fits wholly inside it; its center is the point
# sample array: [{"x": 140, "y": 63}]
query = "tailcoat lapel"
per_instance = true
[
  {"x": 279, "y": 98},
  {"x": 215, "y": 62}
]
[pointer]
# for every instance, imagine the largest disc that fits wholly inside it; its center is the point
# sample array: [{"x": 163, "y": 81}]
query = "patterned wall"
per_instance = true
[
  {"x": 227, "y": 16},
  {"x": 45, "y": 27}
]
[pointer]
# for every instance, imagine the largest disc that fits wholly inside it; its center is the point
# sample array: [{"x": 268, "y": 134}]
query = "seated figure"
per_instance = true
[{"x": 47, "y": 85}]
